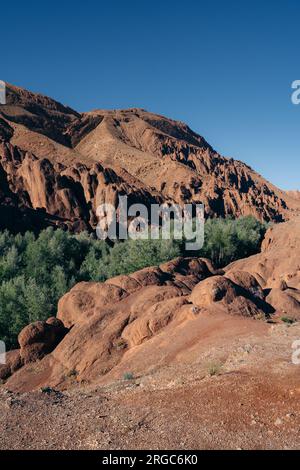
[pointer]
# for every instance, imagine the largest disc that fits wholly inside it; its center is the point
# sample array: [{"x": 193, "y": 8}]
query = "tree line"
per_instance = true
[{"x": 35, "y": 271}]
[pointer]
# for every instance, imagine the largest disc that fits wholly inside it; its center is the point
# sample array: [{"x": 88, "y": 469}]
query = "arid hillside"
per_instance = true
[
  {"x": 158, "y": 316},
  {"x": 175, "y": 356},
  {"x": 57, "y": 166}
]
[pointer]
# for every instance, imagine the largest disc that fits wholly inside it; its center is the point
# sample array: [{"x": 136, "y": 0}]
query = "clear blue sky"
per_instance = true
[{"x": 224, "y": 67}]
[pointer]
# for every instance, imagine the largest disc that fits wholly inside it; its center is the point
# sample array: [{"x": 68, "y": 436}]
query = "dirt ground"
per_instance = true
[{"x": 243, "y": 394}]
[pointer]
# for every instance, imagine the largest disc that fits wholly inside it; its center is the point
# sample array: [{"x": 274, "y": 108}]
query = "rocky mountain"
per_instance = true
[
  {"x": 58, "y": 165},
  {"x": 294, "y": 194}
]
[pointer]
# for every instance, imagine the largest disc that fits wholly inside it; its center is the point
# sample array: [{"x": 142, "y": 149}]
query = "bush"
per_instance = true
[
  {"x": 227, "y": 239},
  {"x": 215, "y": 368},
  {"x": 288, "y": 320},
  {"x": 128, "y": 376},
  {"x": 36, "y": 271}
]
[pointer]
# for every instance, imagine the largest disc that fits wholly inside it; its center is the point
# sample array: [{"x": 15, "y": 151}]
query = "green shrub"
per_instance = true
[
  {"x": 128, "y": 376},
  {"x": 288, "y": 320},
  {"x": 226, "y": 240},
  {"x": 214, "y": 368}
]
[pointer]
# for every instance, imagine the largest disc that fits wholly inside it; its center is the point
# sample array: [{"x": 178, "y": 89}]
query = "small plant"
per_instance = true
[
  {"x": 72, "y": 373},
  {"x": 128, "y": 376},
  {"x": 120, "y": 344},
  {"x": 214, "y": 369},
  {"x": 46, "y": 390},
  {"x": 261, "y": 316},
  {"x": 288, "y": 320}
]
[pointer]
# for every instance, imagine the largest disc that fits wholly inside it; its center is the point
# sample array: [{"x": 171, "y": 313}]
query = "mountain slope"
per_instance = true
[{"x": 141, "y": 153}]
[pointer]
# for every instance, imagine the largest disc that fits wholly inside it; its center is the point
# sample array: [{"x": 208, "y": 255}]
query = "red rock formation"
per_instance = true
[
  {"x": 122, "y": 317},
  {"x": 63, "y": 164},
  {"x": 67, "y": 196},
  {"x": 13, "y": 363},
  {"x": 40, "y": 338}
]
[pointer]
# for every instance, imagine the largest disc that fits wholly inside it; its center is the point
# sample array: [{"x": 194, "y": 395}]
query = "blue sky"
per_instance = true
[{"x": 224, "y": 67}]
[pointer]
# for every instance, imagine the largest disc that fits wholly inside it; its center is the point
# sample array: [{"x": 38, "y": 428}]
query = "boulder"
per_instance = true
[
  {"x": 247, "y": 281},
  {"x": 13, "y": 363},
  {"x": 40, "y": 338},
  {"x": 229, "y": 296},
  {"x": 285, "y": 302},
  {"x": 85, "y": 299},
  {"x": 214, "y": 289}
]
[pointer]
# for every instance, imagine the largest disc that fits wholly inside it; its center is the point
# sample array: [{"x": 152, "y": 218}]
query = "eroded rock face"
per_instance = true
[
  {"x": 286, "y": 303},
  {"x": 40, "y": 113},
  {"x": 59, "y": 165},
  {"x": 90, "y": 298},
  {"x": 242, "y": 297},
  {"x": 65, "y": 196},
  {"x": 107, "y": 320},
  {"x": 6, "y": 131},
  {"x": 277, "y": 266},
  {"x": 117, "y": 320},
  {"x": 182, "y": 165},
  {"x": 248, "y": 282}
]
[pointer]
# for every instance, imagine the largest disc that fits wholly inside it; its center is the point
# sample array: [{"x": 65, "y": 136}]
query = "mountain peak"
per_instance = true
[{"x": 148, "y": 154}]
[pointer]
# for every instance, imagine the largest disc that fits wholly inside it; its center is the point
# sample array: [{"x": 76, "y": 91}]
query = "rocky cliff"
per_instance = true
[{"x": 57, "y": 165}]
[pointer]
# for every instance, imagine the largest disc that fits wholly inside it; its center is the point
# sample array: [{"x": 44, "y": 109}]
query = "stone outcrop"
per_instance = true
[
  {"x": 13, "y": 363},
  {"x": 117, "y": 317},
  {"x": 100, "y": 324},
  {"x": 40, "y": 338},
  {"x": 36, "y": 341},
  {"x": 237, "y": 298},
  {"x": 277, "y": 266},
  {"x": 59, "y": 195}
]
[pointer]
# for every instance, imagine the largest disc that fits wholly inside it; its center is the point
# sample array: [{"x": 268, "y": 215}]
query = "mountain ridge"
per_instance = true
[{"x": 164, "y": 158}]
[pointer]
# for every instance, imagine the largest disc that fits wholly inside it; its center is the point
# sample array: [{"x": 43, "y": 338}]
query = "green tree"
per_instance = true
[{"x": 36, "y": 271}]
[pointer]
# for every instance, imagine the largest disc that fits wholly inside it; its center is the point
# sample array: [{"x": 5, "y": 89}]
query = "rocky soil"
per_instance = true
[{"x": 252, "y": 402}]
